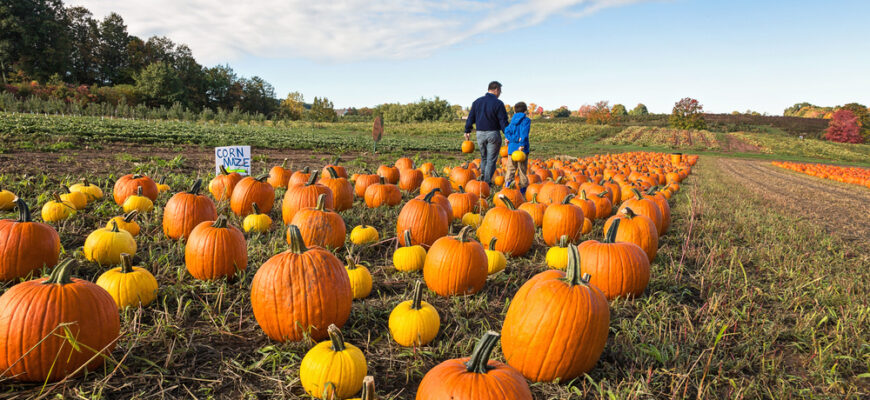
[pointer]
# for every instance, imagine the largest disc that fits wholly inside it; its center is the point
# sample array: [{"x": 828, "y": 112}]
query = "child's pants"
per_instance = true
[{"x": 510, "y": 171}]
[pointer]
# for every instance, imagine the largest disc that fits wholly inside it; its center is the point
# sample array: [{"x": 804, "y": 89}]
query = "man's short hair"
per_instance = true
[
  {"x": 520, "y": 107},
  {"x": 494, "y": 85}
]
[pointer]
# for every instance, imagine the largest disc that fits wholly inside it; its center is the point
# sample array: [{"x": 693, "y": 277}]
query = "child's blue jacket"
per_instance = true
[{"x": 517, "y": 133}]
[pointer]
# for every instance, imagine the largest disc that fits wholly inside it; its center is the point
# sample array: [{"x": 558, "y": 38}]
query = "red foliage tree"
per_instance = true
[{"x": 844, "y": 128}]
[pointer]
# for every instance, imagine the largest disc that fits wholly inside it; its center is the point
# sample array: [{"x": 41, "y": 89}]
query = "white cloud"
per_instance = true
[{"x": 332, "y": 31}]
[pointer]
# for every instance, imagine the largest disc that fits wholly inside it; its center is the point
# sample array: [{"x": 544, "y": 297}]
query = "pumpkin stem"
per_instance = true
[
  {"x": 297, "y": 244},
  {"x": 336, "y": 337},
  {"x": 262, "y": 178},
  {"x": 60, "y": 274},
  {"x": 137, "y": 176},
  {"x": 114, "y": 226},
  {"x": 637, "y": 193},
  {"x": 332, "y": 173},
  {"x": 417, "y": 299},
  {"x": 313, "y": 178},
  {"x": 382, "y": 180},
  {"x": 306, "y": 170},
  {"x": 610, "y": 237},
  {"x": 583, "y": 194},
  {"x": 321, "y": 202},
  {"x": 328, "y": 391},
  {"x": 629, "y": 212},
  {"x": 351, "y": 264},
  {"x": 139, "y": 191},
  {"x": 408, "y": 242},
  {"x": 563, "y": 241},
  {"x": 511, "y": 185},
  {"x": 224, "y": 170},
  {"x": 652, "y": 190},
  {"x": 130, "y": 216},
  {"x": 256, "y": 208},
  {"x": 507, "y": 201},
  {"x": 162, "y": 180},
  {"x": 65, "y": 189},
  {"x": 196, "y": 186},
  {"x": 567, "y": 199},
  {"x": 431, "y": 194},
  {"x": 478, "y": 363},
  {"x": 284, "y": 163},
  {"x": 23, "y": 210},
  {"x": 604, "y": 193},
  {"x": 368, "y": 390},
  {"x": 573, "y": 274},
  {"x": 85, "y": 182},
  {"x": 220, "y": 223},
  {"x": 126, "y": 263},
  {"x": 492, "y": 243},
  {"x": 56, "y": 197},
  {"x": 461, "y": 189},
  {"x": 463, "y": 234}
]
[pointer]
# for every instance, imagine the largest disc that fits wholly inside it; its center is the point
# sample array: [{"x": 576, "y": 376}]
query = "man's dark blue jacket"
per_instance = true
[{"x": 487, "y": 113}]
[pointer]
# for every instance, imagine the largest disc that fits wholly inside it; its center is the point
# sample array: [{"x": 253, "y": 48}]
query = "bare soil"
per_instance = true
[
  {"x": 735, "y": 144},
  {"x": 841, "y": 209}
]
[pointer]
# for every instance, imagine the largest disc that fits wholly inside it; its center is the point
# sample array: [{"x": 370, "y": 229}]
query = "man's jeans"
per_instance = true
[{"x": 489, "y": 143}]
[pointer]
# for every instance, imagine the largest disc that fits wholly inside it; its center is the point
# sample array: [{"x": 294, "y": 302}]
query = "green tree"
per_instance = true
[
  {"x": 219, "y": 89},
  {"x": 639, "y": 110},
  {"x": 158, "y": 84},
  {"x": 562, "y": 112},
  {"x": 113, "y": 57},
  {"x": 33, "y": 38},
  {"x": 293, "y": 107},
  {"x": 258, "y": 96},
  {"x": 688, "y": 113},
  {"x": 618, "y": 110},
  {"x": 85, "y": 37},
  {"x": 321, "y": 110}
]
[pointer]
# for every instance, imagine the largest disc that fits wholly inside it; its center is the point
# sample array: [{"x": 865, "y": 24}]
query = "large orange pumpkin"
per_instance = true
[
  {"x": 215, "y": 250},
  {"x": 342, "y": 190},
  {"x": 617, "y": 268},
  {"x": 463, "y": 202},
  {"x": 426, "y": 220},
  {"x": 556, "y": 325},
  {"x": 511, "y": 193},
  {"x": 390, "y": 174},
  {"x": 221, "y": 187},
  {"x": 637, "y": 229},
  {"x": 36, "y": 318},
  {"x": 279, "y": 175},
  {"x": 305, "y": 196},
  {"x": 362, "y": 183},
  {"x": 478, "y": 187},
  {"x": 25, "y": 245},
  {"x": 514, "y": 229},
  {"x": 382, "y": 194},
  {"x": 562, "y": 219},
  {"x": 410, "y": 179},
  {"x": 249, "y": 191},
  {"x": 320, "y": 226},
  {"x": 435, "y": 182},
  {"x": 586, "y": 204},
  {"x": 299, "y": 177},
  {"x": 128, "y": 185},
  {"x": 301, "y": 290},
  {"x": 184, "y": 211},
  {"x": 442, "y": 201},
  {"x": 535, "y": 209},
  {"x": 455, "y": 265},
  {"x": 645, "y": 207}
]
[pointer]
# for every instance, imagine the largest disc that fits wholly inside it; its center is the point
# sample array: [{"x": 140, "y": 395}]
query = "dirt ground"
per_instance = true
[{"x": 841, "y": 209}]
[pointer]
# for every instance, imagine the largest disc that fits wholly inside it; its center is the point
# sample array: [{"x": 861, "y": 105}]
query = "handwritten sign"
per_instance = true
[{"x": 233, "y": 158}]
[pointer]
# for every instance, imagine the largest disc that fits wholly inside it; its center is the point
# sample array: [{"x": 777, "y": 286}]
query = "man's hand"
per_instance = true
[
  {"x": 467, "y": 136},
  {"x": 521, "y": 148}
]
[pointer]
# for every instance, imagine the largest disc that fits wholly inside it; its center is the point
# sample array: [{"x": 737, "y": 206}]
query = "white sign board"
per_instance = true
[{"x": 233, "y": 158}]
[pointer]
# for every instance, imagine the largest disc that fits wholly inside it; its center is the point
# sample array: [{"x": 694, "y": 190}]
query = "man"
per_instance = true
[{"x": 490, "y": 118}]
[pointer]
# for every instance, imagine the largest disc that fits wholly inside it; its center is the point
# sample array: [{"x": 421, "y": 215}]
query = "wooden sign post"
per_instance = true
[{"x": 377, "y": 132}]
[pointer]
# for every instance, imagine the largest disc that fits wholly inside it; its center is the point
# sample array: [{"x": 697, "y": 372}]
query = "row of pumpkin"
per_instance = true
[
  {"x": 853, "y": 175},
  {"x": 452, "y": 266}
]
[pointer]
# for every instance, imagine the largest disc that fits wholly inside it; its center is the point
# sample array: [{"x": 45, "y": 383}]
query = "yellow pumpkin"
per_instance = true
[
  {"x": 409, "y": 258},
  {"x": 162, "y": 186},
  {"x": 78, "y": 199},
  {"x": 93, "y": 192},
  {"x": 129, "y": 286},
  {"x": 126, "y": 222},
  {"x": 105, "y": 245},
  {"x": 471, "y": 219},
  {"x": 138, "y": 202},
  {"x": 257, "y": 222},
  {"x": 557, "y": 256},
  {"x": 57, "y": 210},
  {"x": 495, "y": 260},
  {"x": 364, "y": 234},
  {"x": 334, "y": 361},
  {"x": 360, "y": 279},
  {"x": 414, "y": 322},
  {"x": 518, "y": 156},
  {"x": 7, "y": 200}
]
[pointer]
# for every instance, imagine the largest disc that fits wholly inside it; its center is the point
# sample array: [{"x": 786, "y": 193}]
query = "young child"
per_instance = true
[{"x": 517, "y": 136}]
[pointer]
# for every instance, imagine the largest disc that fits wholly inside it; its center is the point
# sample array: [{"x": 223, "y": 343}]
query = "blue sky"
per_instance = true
[{"x": 731, "y": 55}]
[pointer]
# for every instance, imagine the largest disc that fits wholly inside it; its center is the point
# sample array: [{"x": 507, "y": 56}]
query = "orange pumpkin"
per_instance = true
[
  {"x": 410, "y": 179},
  {"x": 562, "y": 219},
  {"x": 305, "y": 196},
  {"x": 320, "y": 226},
  {"x": 128, "y": 185},
  {"x": 535, "y": 209},
  {"x": 249, "y": 191},
  {"x": 645, "y": 207},
  {"x": 279, "y": 176},
  {"x": 455, "y": 265},
  {"x": 435, "y": 182},
  {"x": 363, "y": 182},
  {"x": 390, "y": 174},
  {"x": 184, "y": 211},
  {"x": 426, "y": 220},
  {"x": 221, "y": 187},
  {"x": 25, "y": 245},
  {"x": 382, "y": 194},
  {"x": 637, "y": 229},
  {"x": 514, "y": 229},
  {"x": 342, "y": 190},
  {"x": 617, "y": 268},
  {"x": 463, "y": 202},
  {"x": 299, "y": 177}
]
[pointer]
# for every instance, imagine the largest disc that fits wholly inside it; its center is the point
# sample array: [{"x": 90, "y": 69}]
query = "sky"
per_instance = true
[{"x": 731, "y": 55}]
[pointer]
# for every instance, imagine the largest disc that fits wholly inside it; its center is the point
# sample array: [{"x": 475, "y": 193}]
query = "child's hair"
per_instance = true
[{"x": 520, "y": 107}]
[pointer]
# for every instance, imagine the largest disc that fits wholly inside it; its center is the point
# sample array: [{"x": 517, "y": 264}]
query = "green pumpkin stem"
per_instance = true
[
  {"x": 461, "y": 189},
  {"x": 507, "y": 202},
  {"x": 56, "y": 197},
  {"x": 602, "y": 194},
  {"x": 583, "y": 195},
  {"x": 328, "y": 391},
  {"x": 652, "y": 190},
  {"x": 567, "y": 199},
  {"x": 114, "y": 227},
  {"x": 610, "y": 237},
  {"x": 220, "y": 222},
  {"x": 162, "y": 180},
  {"x": 255, "y": 208},
  {"x": 196, "y": 186},
  {"x": 306, "y": 170},
  {"x": 284, "y": 163},
  {"x": 629, "y": 212},
  {"x": 332, "y": 173},
  {"x": 61, "y": 273},
  {"x": 130, "y": 216},
  {"x": 637, "y": 193},
  {"x": 534, "y": 198},
  {"x": 563, "y": 241},
  {"x": 430, "y": 195},
  {"x": 492, "y": 243},
  {"x": 478, "y": 363},
  {"x": 139, "y": 191},
  {"x": 224, "y": 170},
  {"x": 126, "y": 263},
  {"x": 573, "y": 274},
  {"x": 23, "y": 210},
  {"x": 463, "y": 234},
  {"x": 85, "y": 182},
  {"x": 368, "y": 390},
  {"x": 262, "y": 178},
  {"x": 297, "y": 244},
  {"x": 313, "y": 178},
  {"x": 336, "y": 338},
  {"x": 65, "y": 189},
  {"x": 408, "y": 242},
  {"x": 382, "y": 180},
  {"x": 417, "y": 297},
  {"x": 351, "y": 264},
  {"x": 321, "y": 202}
]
